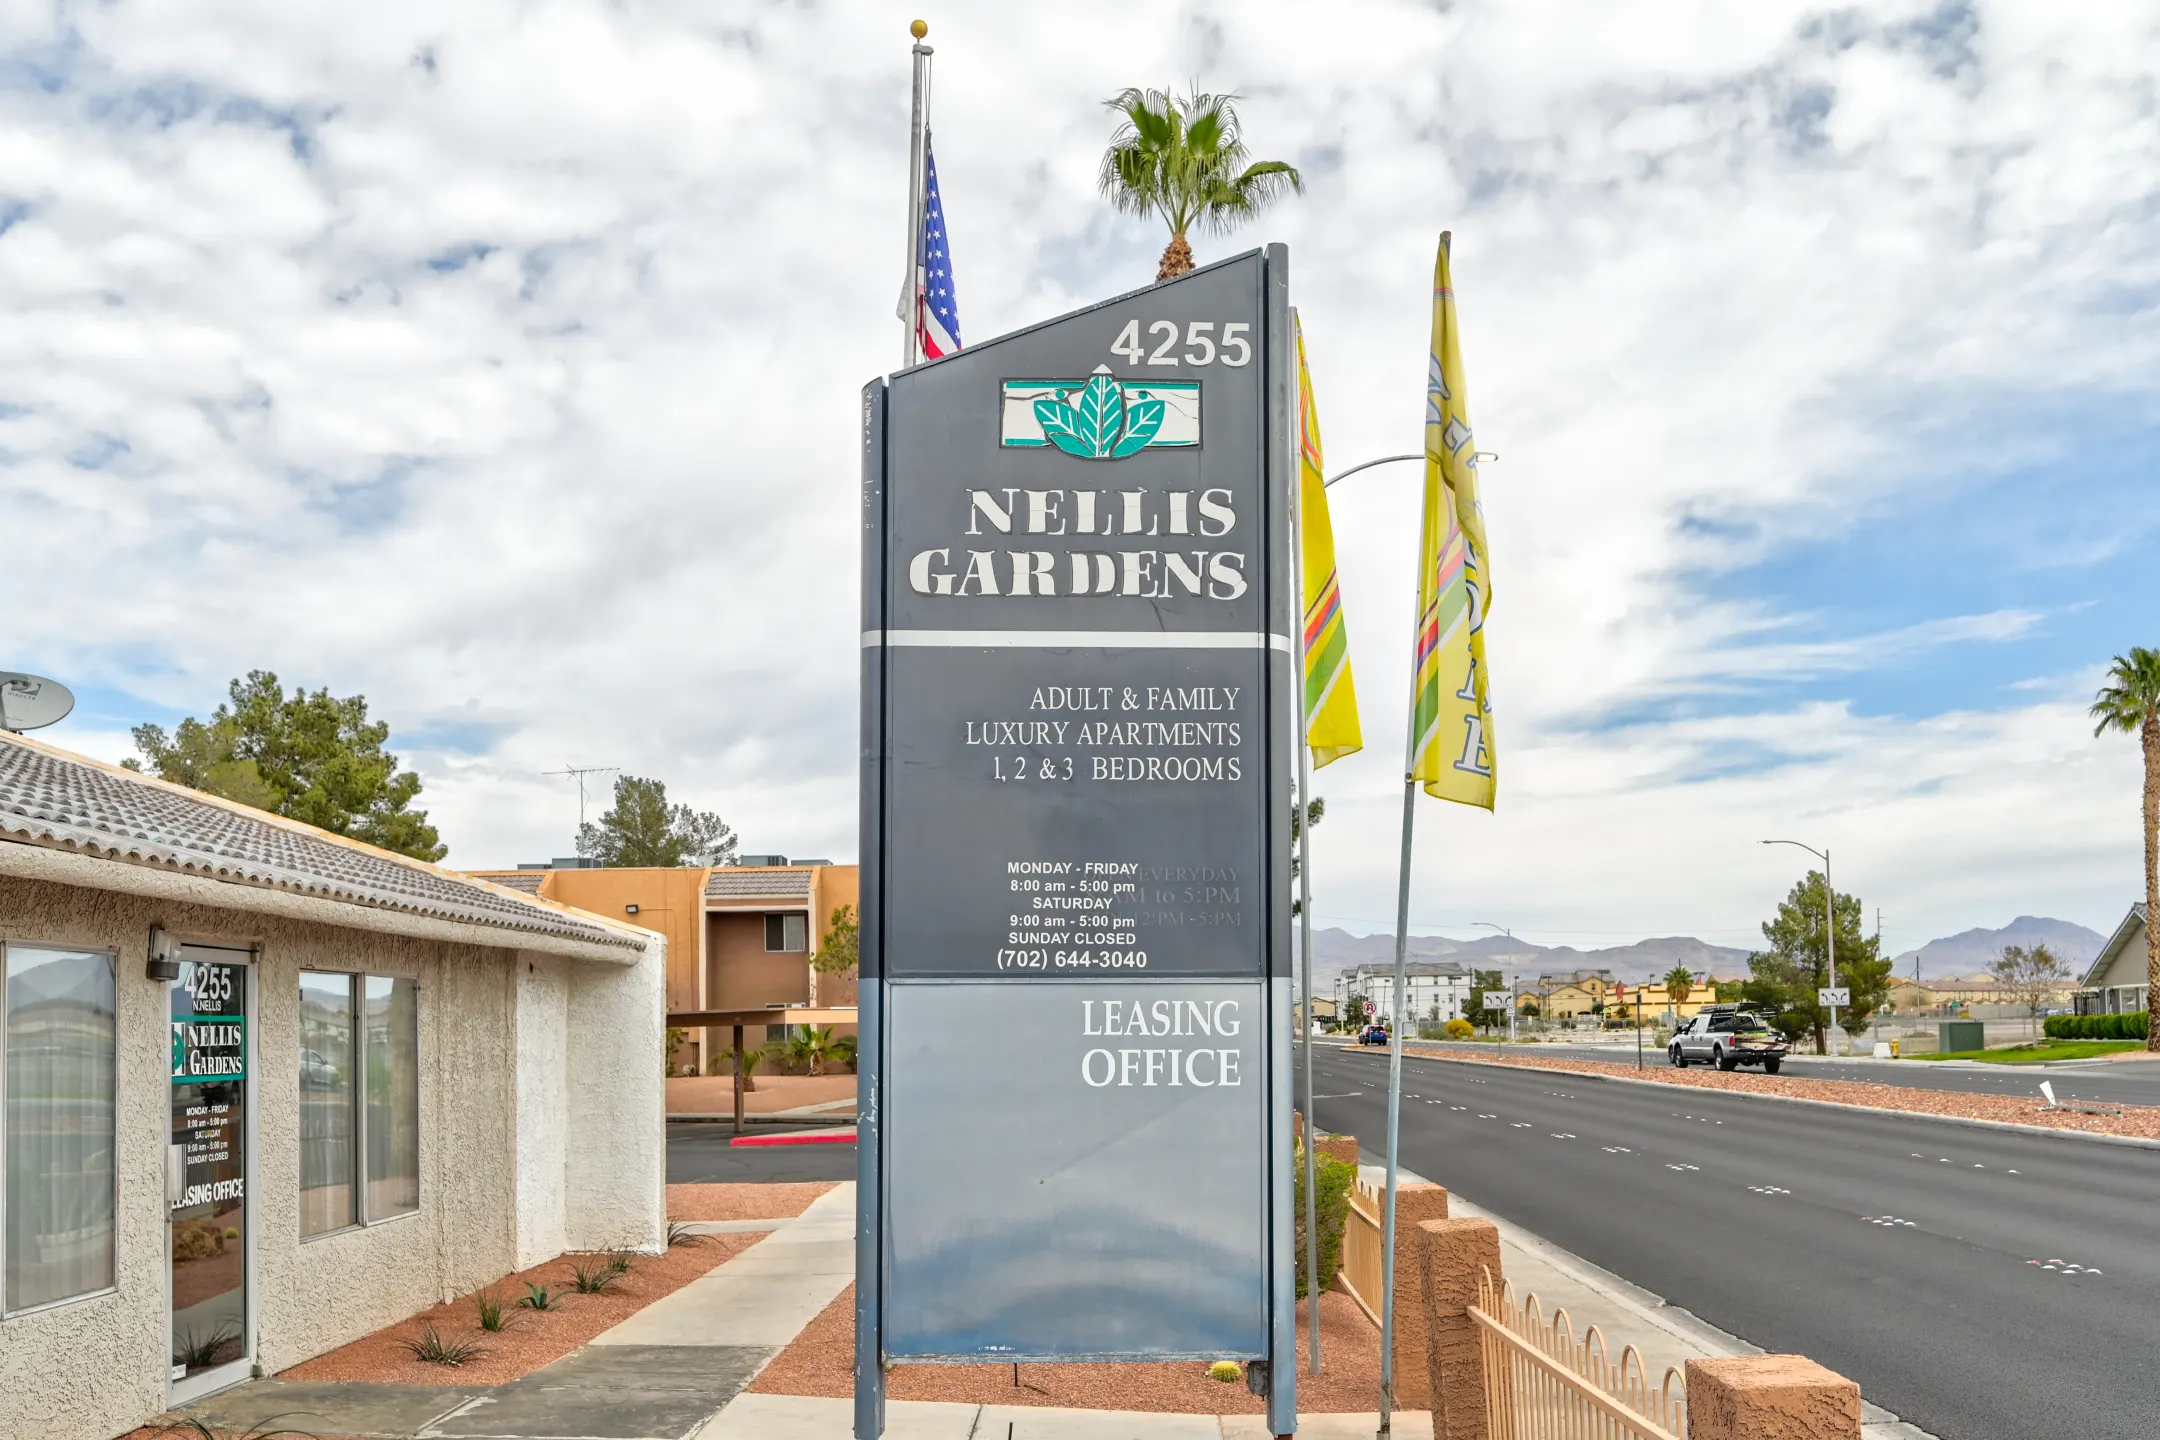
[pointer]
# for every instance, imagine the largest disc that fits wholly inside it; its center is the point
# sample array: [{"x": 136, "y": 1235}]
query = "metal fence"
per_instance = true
[{"x": 1541, "y": 1383}]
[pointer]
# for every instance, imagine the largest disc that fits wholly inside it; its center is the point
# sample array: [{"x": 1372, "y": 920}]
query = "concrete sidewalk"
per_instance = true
[{"x": 802, "y": 1417}]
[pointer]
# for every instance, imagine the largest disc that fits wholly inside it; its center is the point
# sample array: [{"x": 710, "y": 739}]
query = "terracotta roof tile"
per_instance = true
[{"x": 66, "y": 802}]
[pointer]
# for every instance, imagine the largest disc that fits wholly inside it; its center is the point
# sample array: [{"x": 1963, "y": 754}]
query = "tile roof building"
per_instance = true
[{"x": 249, "y": 1060}]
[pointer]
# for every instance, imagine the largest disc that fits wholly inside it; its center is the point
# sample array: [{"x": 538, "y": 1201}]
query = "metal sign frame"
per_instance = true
[{"x": 1067, "y": 416}]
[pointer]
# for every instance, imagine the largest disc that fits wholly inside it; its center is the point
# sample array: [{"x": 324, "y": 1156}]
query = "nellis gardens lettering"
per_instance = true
[
  {"x": 1153, "y": 574},
  {"x": 1201, "y": 1067}
]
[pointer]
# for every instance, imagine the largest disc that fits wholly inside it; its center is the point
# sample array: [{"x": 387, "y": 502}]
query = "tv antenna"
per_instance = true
[
  {"x": 581, "y": 771},
  {"x": 31, "y": 702}
]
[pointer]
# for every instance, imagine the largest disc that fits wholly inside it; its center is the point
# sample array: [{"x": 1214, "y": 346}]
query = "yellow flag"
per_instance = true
[
  {"x": 1331, "y": 719},
  {"x": 1452, "y": 719}
]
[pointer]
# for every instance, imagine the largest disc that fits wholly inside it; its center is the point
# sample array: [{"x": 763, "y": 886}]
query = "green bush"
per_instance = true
[
  {"x": 1331, "y": 1209},
  {"x": 2130, "y": 1026}
]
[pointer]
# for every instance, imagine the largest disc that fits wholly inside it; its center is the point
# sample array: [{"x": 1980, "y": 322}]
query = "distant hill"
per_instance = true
[
  {"x": 1971, "y": 950},
  {"x": 1337, "y": 950}
]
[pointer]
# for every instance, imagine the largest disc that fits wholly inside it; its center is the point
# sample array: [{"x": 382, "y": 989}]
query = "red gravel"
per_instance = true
[
  {"x": 743, "y": 1202},
  {"x": 533, "y": 1337},
  {"x": 2138, "y": 1120},
  {"x": 821, "y": 1361}
]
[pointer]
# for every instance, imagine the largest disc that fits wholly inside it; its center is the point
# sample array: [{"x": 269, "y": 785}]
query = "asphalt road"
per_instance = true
[
  {"x": 700, "y": 1154},
  {"x": 2118, "y": 1083},
  {"x": 1895, "y": 1250}
]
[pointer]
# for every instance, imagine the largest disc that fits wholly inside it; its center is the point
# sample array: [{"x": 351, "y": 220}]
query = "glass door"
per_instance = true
[{"x": 207, "y": 1173}]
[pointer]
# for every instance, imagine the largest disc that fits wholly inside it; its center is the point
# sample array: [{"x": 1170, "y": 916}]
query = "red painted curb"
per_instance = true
[{"x": 814, "y": 1137}]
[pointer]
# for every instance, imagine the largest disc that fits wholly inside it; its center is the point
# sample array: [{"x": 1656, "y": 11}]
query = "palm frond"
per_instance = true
[
  {"x": 1184, "y": 158},
  {"x": 2131, "y": 697}
]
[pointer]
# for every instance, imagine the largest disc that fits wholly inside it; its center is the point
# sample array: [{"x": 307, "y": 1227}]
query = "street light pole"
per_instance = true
[{"x": 1829, "y": 930}]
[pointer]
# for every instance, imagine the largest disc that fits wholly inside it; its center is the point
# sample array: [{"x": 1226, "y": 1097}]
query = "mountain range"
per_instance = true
[{"x": 1336, "y": 950}]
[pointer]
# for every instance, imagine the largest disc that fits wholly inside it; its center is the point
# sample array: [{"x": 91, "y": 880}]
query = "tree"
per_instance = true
[
  {"x": 1796, "y": 965},
  {"x": 642, "y": 829},
  {"x": 2130, "y": 702},
  {"x": 2032, "y": 977},
  {"x": 1184, "y": 158},
  {"x": 1485, "y": 984},
  {"x": 1679, "y": 985},
  {"x": 838, "y": 952},
  {"x": 1311, "y": 813},
  {"x": 313, "y": 758}
]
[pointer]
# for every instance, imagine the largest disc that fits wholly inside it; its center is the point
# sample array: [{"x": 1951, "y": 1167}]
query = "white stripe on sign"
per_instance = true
[{"x": 1080, "y": 639}]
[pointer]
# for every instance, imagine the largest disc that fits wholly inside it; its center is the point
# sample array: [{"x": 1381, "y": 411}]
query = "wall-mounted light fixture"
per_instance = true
[
  {"x": 629, "y": 909},
  {"x": 164, "y": 956}
]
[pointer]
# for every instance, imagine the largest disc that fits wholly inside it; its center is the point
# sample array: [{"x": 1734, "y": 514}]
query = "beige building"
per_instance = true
[
  {"x": 2116, "y": 982},
  {"x": 267, "y": 1090},
  {"x": 739, "y": 937}
]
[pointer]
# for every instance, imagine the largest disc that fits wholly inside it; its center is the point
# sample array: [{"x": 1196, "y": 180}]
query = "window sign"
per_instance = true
[{"x": 1075, "y": 800}]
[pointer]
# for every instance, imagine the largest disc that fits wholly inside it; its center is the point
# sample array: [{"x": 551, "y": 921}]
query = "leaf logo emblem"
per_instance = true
[{"x": 1095, "y": 423}]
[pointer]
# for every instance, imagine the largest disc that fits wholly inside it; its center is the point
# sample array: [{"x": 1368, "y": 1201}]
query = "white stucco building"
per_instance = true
[
  {"x": 267, "y": 1090},
  {"x": 1437, "y": 990}
]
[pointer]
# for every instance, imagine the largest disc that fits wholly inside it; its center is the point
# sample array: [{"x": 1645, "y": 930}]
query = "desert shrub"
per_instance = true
[
  {"x": 537, "y": 1297},
  {"x": 594, "y": 1278},
  {"x": 432, "y": 1347},
  {"x": 488, "y": 1309},
  {"x": 1331, "y": 1210},
  {"x": 1460, "y": 1029}
]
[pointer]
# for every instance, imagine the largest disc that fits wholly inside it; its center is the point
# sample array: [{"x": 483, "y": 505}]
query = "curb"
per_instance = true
[
  {"x": 2135, "y": 1142},
  {"x": 796, "y": 1137}
]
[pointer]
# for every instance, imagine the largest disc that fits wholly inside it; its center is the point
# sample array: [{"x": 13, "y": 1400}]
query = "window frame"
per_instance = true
[
  {"x": 783, "y": 916},
  {"x": 112, "y": 958},
  {"x": 356, "y": 990}
]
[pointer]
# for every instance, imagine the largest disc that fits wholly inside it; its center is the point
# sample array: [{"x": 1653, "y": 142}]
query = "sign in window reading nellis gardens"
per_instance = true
[{"x": 208, "y": 1048}]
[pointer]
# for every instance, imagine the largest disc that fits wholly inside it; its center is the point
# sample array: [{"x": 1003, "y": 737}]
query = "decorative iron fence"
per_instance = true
[{"x": 1541, "y": 1383}]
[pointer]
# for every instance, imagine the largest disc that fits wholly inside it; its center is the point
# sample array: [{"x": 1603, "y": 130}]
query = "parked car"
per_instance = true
[
  {"x": 1373, "y": 1035},
  {"x": 1728, "y": 1038}
]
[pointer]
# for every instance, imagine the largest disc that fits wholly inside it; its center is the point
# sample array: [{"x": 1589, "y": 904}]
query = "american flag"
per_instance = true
[{"x": 937, "y": 311}]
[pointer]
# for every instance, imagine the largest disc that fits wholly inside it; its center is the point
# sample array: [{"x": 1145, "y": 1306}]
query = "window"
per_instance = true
[
  {"x": 57, "y": 1090},
  {"x": 790, "y": 933},
  {"x": 359, "y": 1099}
]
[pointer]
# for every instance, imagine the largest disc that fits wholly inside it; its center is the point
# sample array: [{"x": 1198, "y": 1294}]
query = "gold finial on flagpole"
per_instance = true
[{"x": 919, "y": 29}]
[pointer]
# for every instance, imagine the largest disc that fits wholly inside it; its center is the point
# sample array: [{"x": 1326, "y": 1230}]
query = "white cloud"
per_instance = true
[{"x": 501, "y": 361}]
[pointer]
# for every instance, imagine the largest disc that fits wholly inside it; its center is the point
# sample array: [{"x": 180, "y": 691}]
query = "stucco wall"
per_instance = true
[
  {"x": 744, "y": 974},
  {"x": 543, "y": 1106},
  {"x": 504, "y": 1147},
  {"x": 615, "y": 1151}
]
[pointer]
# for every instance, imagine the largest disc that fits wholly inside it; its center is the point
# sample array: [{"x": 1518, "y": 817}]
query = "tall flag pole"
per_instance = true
[
  {"x": 918, "y": 154},
  {"x": 1328, "y": 725},
  {"x": 1450, "y": 745}
]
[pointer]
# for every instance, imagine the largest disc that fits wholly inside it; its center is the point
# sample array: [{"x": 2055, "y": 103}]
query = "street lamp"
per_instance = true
[
  {"x": 1829, "y": 930},
  {"x": 1510, "y": 979}
]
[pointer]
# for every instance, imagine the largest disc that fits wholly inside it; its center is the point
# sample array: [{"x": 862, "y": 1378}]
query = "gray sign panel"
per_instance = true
[{"x": 1075, "y": 947}]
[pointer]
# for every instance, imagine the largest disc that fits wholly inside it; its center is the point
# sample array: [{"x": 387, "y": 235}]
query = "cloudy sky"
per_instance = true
[{"x": 499, "y": 361}]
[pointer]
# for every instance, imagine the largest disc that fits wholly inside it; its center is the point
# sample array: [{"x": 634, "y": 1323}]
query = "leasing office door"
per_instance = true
[{"x": 209, "y": 1170}]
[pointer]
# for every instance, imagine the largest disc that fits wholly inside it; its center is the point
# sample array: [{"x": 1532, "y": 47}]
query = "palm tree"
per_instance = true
[
  {"x": 1185, "y": 160},
  {"x": 1679, "y": 984},
  {"x": 2130, "y": 702}
]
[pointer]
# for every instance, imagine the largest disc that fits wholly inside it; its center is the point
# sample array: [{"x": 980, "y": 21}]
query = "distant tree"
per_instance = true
[
  {"x": 1485, "y": 986},
  {"x": 1184, "y": 158},
  {"x": 313, "y": 758},
  {"x": 2130, "y": 703},
  {"x": 838, "y": 952},
  {"x": 1354, "y": 1010},
  {"x": 1796, "y": 965},
  {"x": 643, "y": 829},
  {"x": 2032, "y": 977},
  {"x": 1679, "y": 985},
  {"x": 1311, "y": 813}
]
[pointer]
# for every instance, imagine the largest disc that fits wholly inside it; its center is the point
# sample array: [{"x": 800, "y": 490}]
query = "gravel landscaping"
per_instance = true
[
  {"x": 822, "y": 1362},
  {"x": 2141, "y": 1121},
  {"x": 759, "y": 1201}
]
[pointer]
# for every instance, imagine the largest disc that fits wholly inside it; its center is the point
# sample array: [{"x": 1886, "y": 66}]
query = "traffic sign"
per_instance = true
[
  {"x": 1839, "y": 995},
  {"x": 1075, "y": 981}
]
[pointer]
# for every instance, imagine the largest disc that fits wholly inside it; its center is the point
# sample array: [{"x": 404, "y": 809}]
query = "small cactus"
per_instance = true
[{"x": 1227, "y": 1371}]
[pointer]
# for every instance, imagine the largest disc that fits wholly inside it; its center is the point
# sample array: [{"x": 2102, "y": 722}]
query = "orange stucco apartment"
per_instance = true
[{"x": 739, "y": 936}]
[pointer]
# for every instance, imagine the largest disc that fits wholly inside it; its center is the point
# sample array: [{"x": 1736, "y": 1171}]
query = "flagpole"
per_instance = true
[
  {"x": 1304, "y": 832},
  {"x": 918, "y": 129},
  {"x": 1394, "y": 1090}
]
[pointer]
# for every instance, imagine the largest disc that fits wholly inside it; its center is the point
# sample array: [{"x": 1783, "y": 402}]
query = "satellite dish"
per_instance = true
[{"x": 31, "y": 702}]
